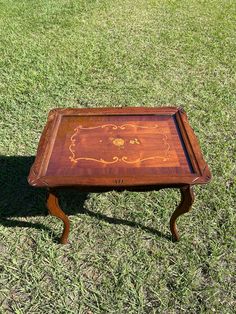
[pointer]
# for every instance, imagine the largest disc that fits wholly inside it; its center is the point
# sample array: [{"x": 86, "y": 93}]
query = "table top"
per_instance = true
[{"x": 118, "y": 148}]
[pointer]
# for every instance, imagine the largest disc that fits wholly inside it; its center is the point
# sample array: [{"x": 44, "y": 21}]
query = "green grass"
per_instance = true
[{"x": 113, "y": 53}]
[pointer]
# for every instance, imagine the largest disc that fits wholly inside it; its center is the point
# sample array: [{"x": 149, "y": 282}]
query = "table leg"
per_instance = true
[
  {"x": 187, "y": 198},
  {"x": 55, "y": 210}
]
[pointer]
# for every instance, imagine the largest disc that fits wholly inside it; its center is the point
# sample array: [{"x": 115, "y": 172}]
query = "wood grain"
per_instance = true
[
  {"x": 140, "y": 146},
  {"x": 101, "y": 149}
]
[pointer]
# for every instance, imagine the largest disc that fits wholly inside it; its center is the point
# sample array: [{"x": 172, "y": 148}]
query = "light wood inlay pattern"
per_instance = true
[{"x": 138, "y": 149}]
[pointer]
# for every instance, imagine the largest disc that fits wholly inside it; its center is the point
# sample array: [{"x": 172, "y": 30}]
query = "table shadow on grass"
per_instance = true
[{"x": 19, "y": 199}]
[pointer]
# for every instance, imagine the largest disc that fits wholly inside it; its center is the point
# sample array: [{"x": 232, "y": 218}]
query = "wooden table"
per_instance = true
[{"x": 104, "y": 149}]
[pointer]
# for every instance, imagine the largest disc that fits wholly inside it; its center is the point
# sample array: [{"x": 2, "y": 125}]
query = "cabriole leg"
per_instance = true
[
  {"x": 55, "y": 210},
  {"x": 187, "y": 198}
]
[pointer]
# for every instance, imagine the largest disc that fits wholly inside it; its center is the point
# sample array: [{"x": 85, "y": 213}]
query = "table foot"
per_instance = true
[
  {"x": 187, "y": 198},
  {"x": 55, "y": 210}
]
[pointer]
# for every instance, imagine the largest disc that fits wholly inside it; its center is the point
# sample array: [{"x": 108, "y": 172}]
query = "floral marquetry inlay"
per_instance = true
[{"x": 120, "y": 143}]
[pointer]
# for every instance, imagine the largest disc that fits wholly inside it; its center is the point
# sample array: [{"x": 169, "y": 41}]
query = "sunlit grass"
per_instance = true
[{"x": 113, "y": 53}]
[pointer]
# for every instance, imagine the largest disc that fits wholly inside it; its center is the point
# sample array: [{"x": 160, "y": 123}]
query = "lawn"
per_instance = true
[{"x": 61, "y": 53}]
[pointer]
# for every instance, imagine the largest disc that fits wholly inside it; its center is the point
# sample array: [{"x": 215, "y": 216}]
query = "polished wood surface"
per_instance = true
[
  {"x": 118, "y": 148},
  {"x": 187, "y": 199},
  {"x": 54, "y": 209}
]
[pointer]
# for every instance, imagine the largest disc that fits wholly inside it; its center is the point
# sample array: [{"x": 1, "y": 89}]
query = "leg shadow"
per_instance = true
[
  {"x": 19, "y": 199},
  {"x": 73, "y": 199},
  {"x": 133, "y": 224}
]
